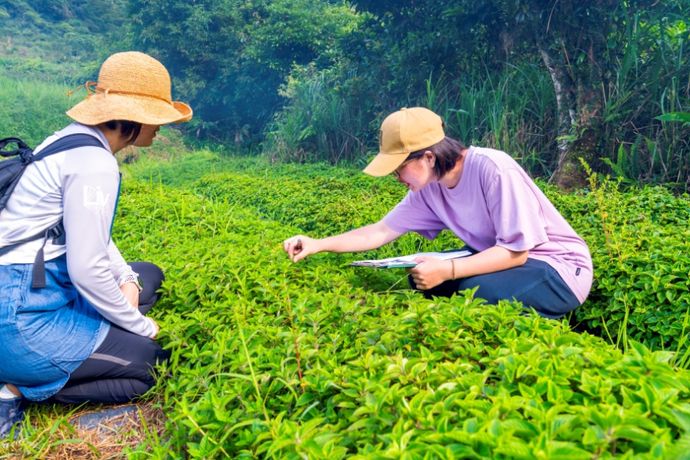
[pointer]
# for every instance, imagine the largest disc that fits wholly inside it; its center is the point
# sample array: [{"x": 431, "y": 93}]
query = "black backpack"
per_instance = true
[{"x": 11, "y": 171}]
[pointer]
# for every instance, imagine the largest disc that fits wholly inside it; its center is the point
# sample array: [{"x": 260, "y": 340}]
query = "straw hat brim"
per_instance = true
[
  {"x": 100, "y": 108},
  {"x": 385, "y": 163}
]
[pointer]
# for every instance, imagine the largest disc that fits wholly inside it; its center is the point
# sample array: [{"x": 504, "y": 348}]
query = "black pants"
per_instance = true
[
  {"x": 121, "y": 368},
  {"x": 536, "y": 284}
]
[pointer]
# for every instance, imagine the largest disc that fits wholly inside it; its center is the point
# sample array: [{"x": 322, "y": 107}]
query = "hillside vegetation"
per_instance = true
[{"x": 304, "y": 81}]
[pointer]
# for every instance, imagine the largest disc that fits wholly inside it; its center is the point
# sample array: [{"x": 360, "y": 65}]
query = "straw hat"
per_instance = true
[
  {"x": 404, "y": 132},
  {"x": 131, "y": 86}
]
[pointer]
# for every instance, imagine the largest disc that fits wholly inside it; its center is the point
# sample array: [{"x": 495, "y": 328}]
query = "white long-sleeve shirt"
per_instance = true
[{"x": 79, "y": 186}]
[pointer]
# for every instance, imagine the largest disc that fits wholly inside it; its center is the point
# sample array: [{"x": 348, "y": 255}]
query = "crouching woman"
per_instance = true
[
  {"x": 73, "y": 328},
  {"x": 522, "y": 248}
]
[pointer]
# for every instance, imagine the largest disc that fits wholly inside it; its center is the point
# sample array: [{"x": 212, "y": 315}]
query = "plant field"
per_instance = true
[
  {"x": 639, "y": 238},
  {"x": 320, "y": 360}
]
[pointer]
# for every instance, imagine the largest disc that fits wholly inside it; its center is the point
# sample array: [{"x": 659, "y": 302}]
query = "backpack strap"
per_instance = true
[
  {"x": 69, "y": 142},
  {"x": 21, "y": 150},
  {"x": 57, "y": 231}
]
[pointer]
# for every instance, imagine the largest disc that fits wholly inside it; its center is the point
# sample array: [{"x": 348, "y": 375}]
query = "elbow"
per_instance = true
[
  {"x": 76, "y": 271},
  {"x": 520, "y": 258}
]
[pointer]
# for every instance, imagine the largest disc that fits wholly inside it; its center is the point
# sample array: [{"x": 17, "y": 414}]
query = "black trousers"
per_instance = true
[
  {"x": 121, "y": 367},
  {"x": 536, "y": 284}
]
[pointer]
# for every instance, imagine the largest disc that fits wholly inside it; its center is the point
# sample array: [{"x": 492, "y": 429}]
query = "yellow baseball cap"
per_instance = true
[{"x": 403, "y": 132}]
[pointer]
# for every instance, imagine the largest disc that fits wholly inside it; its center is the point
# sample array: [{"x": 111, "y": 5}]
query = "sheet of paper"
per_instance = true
[{"x": 409, "y": 260}]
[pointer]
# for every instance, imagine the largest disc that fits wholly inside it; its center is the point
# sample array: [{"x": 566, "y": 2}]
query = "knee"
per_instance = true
[
  {"x": 148, "y": 358},
  {"x": 491, "y": 296},
  {"x": 151, "y": 274},
  {"x": 151, "y": 277}
]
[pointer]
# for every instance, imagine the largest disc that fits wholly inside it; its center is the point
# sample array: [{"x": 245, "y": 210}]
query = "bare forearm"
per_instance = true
[
  {"x": 360, "y": 239},
  {"x": 490, "y": 260}
]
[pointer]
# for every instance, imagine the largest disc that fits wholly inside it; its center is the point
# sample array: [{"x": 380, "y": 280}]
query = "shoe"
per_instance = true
[
  {"x": 112, "y": 416},
  {"x": 11, "y": 413}
]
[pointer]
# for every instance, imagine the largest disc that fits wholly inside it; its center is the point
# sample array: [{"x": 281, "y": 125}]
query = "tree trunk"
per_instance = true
[{"x": 568, "y": 173}]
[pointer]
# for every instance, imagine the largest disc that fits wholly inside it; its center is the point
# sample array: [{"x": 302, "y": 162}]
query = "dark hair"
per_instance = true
[
  {"x": 128, "y": 129},
  {"x": 447, "y": 153}
]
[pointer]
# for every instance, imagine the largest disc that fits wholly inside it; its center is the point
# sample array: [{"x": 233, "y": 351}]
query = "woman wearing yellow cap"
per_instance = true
[
  {"x": 72, "y": 324},
  {"x": 521, "y": 247}
]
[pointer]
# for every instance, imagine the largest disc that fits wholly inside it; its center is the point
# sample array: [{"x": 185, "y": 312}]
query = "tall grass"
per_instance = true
[
  {"x": 511, "y": 112},
  {"x": 328, "y": 117},
  {"x": 318, "y": 124},
  {"x": 327, "y": 121},
  {"x": 652, "y": 78},
  {"x": 32, "y": 109}
]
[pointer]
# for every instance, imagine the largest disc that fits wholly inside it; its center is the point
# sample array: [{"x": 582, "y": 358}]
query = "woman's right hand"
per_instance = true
[
  {"x": 156, "y": 328},
  {"x": 300, "y": 246}
]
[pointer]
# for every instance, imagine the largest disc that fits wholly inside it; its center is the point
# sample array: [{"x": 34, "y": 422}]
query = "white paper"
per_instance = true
[{"x": 408, "y": 261}]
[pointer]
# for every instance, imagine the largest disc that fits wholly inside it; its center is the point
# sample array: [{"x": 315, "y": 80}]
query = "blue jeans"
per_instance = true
[
  {"x": 45, "y": 334},
  {"x": 536, "y": 284}
]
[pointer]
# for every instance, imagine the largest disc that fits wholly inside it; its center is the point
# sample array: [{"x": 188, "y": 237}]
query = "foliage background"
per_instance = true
[{"x": 546, "y": 81}]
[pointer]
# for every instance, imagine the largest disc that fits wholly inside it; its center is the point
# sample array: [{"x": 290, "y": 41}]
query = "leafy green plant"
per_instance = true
[
  {"x": 318, "y": 360},
  {"x": 321, "y": 360},
  {"x": 639, "y": 244}
]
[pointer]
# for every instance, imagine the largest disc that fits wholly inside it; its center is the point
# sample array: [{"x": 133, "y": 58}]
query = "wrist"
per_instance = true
[
  {"x": 452, "y": 269},
  {"x": 131, "y": 278},
  {"x": 155, "y": 327},
  {"x": 317, "y": 245}
]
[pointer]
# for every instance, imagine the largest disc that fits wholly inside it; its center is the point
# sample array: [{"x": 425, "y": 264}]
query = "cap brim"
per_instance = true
[
  {"x": 384, "y": 164},
  {"x": 100, "y": 108}
]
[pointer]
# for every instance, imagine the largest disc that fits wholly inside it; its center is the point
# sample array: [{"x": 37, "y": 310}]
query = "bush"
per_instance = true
[{"x": 640, "y": 245}]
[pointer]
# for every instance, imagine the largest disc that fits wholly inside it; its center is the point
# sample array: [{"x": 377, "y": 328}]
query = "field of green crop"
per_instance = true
[{"x": 321, "y": 360}]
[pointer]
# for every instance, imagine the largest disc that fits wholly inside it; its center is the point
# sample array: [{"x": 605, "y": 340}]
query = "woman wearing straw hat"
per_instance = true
[
  {"x": 83, "y": 336},
  {"x": 522, "y": 248}
]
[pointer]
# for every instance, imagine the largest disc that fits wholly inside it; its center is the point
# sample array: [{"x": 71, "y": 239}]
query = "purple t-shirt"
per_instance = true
[{"x": 497, "y": 204}]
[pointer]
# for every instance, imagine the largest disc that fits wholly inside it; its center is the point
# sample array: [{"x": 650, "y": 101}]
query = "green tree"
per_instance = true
[
  {"x": 231, "y": 56},
  {"x": 609, "y": 61},
  {"x": 581, "y": 44}
]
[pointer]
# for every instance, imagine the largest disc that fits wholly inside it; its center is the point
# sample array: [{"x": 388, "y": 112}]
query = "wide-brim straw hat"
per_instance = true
[
  {"x": 131, "y": 86},
  {"x": 404, "y": 132}
]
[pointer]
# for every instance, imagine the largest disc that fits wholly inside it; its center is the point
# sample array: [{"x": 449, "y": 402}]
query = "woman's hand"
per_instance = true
[
  {"x": 430, "y": 272},
  {"x": 131, "y": 293},
  {"x": 156, "y": 328},
  {"x": 300, "y": 246}
]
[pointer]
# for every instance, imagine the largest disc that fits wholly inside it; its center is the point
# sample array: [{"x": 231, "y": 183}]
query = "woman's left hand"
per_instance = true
[
  {"x": 131, "y": 293},
  {"x": 430, "y": 272}
]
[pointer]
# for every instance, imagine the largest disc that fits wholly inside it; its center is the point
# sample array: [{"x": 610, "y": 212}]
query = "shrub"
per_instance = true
[{"x": 640, "y": 245}]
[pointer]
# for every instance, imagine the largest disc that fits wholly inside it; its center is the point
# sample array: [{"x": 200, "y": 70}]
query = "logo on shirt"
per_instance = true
[{"x": 94, "y": 198}]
